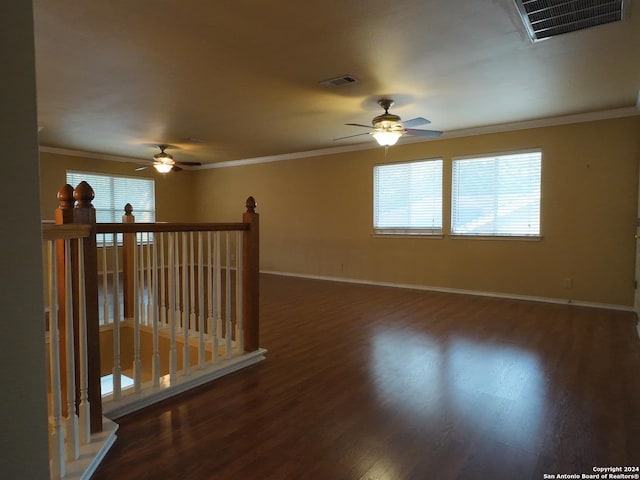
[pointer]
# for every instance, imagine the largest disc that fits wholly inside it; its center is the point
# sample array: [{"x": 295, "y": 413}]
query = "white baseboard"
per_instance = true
[
  {"x": 627, "y": 308},
  {"x": 132, "y": 402},
  {"x": 92, "y": 454}
]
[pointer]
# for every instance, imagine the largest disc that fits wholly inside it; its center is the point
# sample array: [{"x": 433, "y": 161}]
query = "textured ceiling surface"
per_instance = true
[{"x": 242, "y": 77}]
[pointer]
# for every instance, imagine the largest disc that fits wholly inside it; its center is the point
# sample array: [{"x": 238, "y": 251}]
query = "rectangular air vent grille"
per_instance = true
[
  {"x": 547, "y": 18},
  {"x": 339, "y": 81}
]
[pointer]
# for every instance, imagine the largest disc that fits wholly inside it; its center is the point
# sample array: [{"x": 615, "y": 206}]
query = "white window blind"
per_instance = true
[
  {"x": 408, "y": 198},
  {"x": 497, "y": 195},
  {"x": 113, "y": 192}
]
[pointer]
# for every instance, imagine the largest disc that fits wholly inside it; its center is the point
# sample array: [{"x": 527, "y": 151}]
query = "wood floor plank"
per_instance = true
[{"x": 365, "y": 382}]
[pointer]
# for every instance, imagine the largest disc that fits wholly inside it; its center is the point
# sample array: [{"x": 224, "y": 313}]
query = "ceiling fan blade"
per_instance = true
[
  {"x": 414, "y": 122},
  {"x": 351, "y": 136},
  {"x": 176, "y": 169},
  {"x": 141, "y": 168},
  {"x": 188, "y": 164},
  {"x": 423, "y": 133},
  {"x": 358, "y": 125}
]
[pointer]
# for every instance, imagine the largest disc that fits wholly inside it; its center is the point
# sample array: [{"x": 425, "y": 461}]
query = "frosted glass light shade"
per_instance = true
[
  {"x": 386, "y": 138},
  {"x": 162, "y": 167}
]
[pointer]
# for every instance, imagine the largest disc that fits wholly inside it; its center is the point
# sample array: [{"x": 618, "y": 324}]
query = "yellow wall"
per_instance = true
[
  {"x": 316, "y": 216},
  {"x": 174, "y": 195}
]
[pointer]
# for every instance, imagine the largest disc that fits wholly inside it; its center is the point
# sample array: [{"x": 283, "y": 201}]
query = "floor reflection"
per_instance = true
[{"x": 479, "y": 387}]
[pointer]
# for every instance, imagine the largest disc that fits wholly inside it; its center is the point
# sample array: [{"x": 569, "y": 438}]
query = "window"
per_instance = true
[
  {"x": 408, "y": 198},
  {"x": 112, "y": 193},
  {"x": 497, "y": 195}
]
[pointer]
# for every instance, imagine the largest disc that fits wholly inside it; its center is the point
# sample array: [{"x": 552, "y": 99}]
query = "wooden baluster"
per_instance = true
[
  {"x": 163, "y": 306},
  {"x": 218, "y": 280},
  {"x": 149, "y": 291},
  {"x": 140, "y": 287},
  {"x": 201, "y": 333},
  {"x": 84, "y": 408},
  {"x": 71, "y": 423},
  {"x": 156, "y": 315},
  {"x": 105, "y": 280},
  {"x": 137, "y": 371},
  {"x": 186, "y": 363},
  {"x": 239, "y": 295},
  {"x": 210, "y": 299},
  {"x": 128, "y": 267},
  {"x": 57, "y": 437},
  {"x": 251, "y": 277},
  {"x": 117, "y": 367},
  {"x": 171, "y": 289},
  {"x": 192, "y": 285},
  {"x": 85, "y": 213},
  {"x": 228, "y": 336}
]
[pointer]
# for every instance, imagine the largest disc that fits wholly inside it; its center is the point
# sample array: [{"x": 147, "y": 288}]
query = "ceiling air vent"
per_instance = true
[
  {"x": 339, "y": 81},
  {"x": 547, "y": 18}
]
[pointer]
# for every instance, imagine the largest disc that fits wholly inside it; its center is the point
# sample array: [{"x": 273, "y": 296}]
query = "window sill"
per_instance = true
[
  {"x": 517, "y": 238},
  {"x": 408, "y": 235}
]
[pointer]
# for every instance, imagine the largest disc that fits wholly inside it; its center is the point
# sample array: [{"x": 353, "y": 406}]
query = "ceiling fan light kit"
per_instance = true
[
  {"x": 388, "y": 128},
  {"x": 386, "y": 138},
  {"x": 163, "y": 167},
  {"x": 164, "y": 163}
]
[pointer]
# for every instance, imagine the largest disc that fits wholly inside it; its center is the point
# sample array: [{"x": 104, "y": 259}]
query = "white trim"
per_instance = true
[
  {"x": 94, "y": 155},
  {"x": 560, "y": 301},
  {"x": 491, "y": 155},
  {"x": 522, "y": 238},
  {"x": 465, "y": 132},
  {"x": 111, "y": 175},
  {"x": 149, "y": 395},
  {"x": 378, "y": 234},
  {"x": 92, "y": 454}
]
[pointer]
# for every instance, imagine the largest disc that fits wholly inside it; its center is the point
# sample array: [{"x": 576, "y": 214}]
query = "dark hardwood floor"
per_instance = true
[{"x": 365, "y": 382}]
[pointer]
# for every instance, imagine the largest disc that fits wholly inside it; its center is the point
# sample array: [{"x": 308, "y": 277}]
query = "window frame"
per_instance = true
[
  {"x": 115, "y": 209},
  {"x": 404, "y": 231},
  {"x": 496, "y": 236}
]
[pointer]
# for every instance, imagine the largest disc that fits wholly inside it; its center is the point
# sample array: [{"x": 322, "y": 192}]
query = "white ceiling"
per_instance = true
[{"x": 118, "y": 77}]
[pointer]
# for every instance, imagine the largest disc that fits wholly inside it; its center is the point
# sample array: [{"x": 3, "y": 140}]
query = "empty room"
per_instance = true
[{"x": 317, "y": 240}]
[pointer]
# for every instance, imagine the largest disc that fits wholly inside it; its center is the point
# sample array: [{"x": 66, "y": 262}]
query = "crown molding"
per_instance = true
[
  {"x": 467, "y": 132},
  {"x": 94, "y": 155}
]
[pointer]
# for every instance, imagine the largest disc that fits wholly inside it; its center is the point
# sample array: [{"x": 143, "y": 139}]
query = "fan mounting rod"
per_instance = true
[
  {"x": 385, "y": 103},
  {"x": 163, "y": 156},
  {"x": 387, "y": 121}
]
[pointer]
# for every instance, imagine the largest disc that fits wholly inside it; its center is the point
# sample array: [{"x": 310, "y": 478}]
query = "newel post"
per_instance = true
[
  {"x": 250, "y": 277},
  {"x": 63, "y": 216},
  {"x": 128, "y": 266},
  {"x": 85, "y": 213}
]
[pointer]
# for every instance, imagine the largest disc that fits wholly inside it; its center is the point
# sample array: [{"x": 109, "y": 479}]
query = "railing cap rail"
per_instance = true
[
  {"x": 170, "y": 227},
  {"x": 63, "y": 232}
]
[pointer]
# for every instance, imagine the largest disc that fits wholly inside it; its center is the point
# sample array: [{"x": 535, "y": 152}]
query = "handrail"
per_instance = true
[
  {"x": 170, "y": 227},
  {"x": 77, "y": 216},
  {"x": 189, "y": 284},
  {"x": 65, "y": 232}
]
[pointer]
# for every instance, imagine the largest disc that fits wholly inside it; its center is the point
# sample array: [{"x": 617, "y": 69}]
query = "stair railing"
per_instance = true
[{"x": 191, "y": 289}]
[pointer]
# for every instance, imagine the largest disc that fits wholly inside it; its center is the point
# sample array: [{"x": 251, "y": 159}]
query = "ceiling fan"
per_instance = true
[
  {"x": 388, "y": 128},
  {"x": 163, "y": 162}
]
